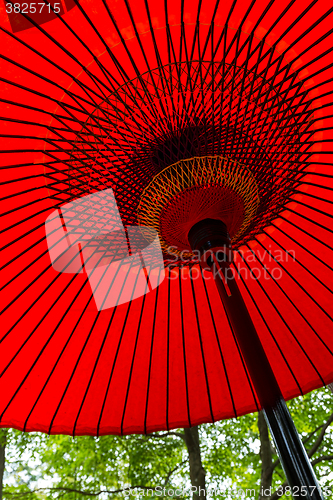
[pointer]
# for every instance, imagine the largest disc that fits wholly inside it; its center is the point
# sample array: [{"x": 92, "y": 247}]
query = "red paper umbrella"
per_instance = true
[{"x": 207, "y": 122}]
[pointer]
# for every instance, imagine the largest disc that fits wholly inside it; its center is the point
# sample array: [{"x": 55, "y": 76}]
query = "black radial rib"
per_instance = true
[
  {"x": 204, "y": 362},
  {"x": 302, "y": 246},
  {"x": 279, "y": 313},
  {"x": 45, "y": 315},
  {"x": 295, "y": 280},
  {"x": 71, "y": 335},
  {"x": 306, "y": 269},
  {"x": 168, "y": 353},
  {"x": 283, "y": 320},
  {"x": 97, "y": 358},
  {"x": 242, "y": 359},
  {"x": 184, "y": 348},
  {"x": 84, "y": 346},
  {"x": 267, "y": 326},
  {"x": 219, "y": 346},
  {"x": 151, "y": 356},
  {"x": 288, "y": 209},
  {"x": 133, "y": 359},
  {"x": 116, "y": 355},
  {"x": 92, "y": 77}
]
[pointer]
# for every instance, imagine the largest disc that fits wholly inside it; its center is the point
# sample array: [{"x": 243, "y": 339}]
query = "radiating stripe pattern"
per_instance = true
[{"x": 108, "y": 95}]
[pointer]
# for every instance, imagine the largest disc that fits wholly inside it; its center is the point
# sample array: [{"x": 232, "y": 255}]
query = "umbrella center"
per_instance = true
[
  {"x": 146, "y": 134},
  {"x": 194, "y": 189}
]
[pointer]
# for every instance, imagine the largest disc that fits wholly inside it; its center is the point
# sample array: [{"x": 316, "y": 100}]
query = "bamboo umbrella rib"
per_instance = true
[{"x": 268, "y": 328}]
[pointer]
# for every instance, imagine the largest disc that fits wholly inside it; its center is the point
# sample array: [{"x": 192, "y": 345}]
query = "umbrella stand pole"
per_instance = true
[{"x": 292, "y": 454}]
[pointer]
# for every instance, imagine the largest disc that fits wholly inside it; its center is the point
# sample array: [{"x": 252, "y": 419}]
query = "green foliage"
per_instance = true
[
  {"x": 91, "y": 464},
  {"x": 230, "y": 452},
  {"x": 231, "y": 447},
  {"x": 309, "y": 413}
]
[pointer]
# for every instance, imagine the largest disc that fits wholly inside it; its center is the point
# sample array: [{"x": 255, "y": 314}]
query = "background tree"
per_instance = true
[
  {"x": 3, "y": 441},
  {"x": 228, "y": 455}
]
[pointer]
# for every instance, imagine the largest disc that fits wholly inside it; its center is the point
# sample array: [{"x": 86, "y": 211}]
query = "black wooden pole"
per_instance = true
[{"x": 210, "y": 238}]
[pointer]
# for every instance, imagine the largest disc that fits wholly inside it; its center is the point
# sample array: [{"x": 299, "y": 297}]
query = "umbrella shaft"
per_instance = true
[{"x": 293, "y": 457}]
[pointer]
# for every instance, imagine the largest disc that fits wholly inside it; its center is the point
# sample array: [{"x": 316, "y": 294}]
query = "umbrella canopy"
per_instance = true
[{"x": 184, "y": 110}]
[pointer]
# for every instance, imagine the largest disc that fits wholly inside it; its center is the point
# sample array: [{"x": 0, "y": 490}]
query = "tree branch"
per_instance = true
[
  {"x": 320, "y": 437},
  {"x": 322, "y": 459},
  {"x": 277, "y": 493},
  {"x": 81, "y": 492},
  {"x": 3, "y": 442},
  {"x": 173, "y": 470},
  {"x": 265, "y": 455},
  {"x": 159, "y": 436},
  {"x": 197, "y": 472},
  {"x": 307, "y": 438},
  {"x": 275, "y": 464}
]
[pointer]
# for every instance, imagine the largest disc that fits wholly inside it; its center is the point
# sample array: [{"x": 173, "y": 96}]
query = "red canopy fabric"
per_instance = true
[{"x": 167, "y": 359}]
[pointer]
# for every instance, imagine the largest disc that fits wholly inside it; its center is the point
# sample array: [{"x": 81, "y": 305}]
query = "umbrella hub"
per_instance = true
[
  {"x": 176, "y": 128},
  {"x": 194, "y": 190},
  {"x": 208, "y": 237}
]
